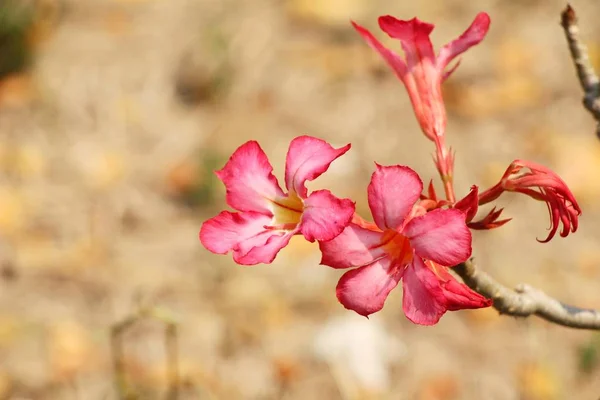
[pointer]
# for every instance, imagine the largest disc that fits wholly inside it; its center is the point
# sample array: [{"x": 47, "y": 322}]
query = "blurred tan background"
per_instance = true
[{"x": 113, "y": 115}]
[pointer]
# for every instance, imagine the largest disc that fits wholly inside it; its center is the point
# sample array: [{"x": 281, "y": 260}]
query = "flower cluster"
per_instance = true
[{"x": 415, "y": 237}]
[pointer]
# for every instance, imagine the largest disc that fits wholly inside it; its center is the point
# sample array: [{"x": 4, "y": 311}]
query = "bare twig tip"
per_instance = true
[{"x": 568, "y": 16}]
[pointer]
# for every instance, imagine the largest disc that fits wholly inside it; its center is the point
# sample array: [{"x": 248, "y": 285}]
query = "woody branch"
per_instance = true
[
  {"x": 585, "y": 72},
  {"x": 525, "y": 300}
]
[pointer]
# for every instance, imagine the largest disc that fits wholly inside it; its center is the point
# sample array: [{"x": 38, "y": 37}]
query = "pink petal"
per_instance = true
[
  {"x": 355, "y": 246},
  {"x": 393, "y": 59},
  {"x": 469, "y": 204},
  {"x": 245, "y": 235},
  {"x": 441, "y": 236},
  {"x": 392, "y": 193},
  {"x": 325, "y": 216},
  {"x": 414, "y": 36},
  {"x": 248, "y": 177},
  {"x": 365, "y": 289},
  {"x": 308, "y": 158},
  {"x": 458, "y": 295},
  {"x": 423, "y": 299},
  {"x": 472, "y": 36},
  {"x": 266, "y": 252}
]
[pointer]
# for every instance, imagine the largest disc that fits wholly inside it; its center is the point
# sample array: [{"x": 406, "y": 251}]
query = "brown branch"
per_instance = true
[
  {"x": 587, "y": 76},
  {"x": 525, "y": 300},
  {"x": 124, "y": 389}
]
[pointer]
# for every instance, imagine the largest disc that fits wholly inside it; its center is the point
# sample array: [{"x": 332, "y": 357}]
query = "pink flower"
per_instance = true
[
  {"x": 268, "y": 217},
  {"x": 539, "y": 183},
  {"x": 405, "y": 243},
  {"x": 421, "y": 71}
]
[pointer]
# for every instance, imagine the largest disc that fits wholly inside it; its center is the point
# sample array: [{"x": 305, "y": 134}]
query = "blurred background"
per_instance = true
[{"x": 113, "y": 115}]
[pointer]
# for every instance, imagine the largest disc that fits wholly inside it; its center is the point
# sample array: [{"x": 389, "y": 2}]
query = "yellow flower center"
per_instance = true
[
  {"x": 398, "y": 247},
  {"x": 287, "y": 212}
]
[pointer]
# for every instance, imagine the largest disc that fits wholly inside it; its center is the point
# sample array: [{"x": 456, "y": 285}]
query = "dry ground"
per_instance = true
[{"x": 106, "y": 153}]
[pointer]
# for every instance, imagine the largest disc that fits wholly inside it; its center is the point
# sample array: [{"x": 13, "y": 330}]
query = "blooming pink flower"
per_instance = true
[
  {"x": 405, "y": 243},
  {"x": 539, "y": 183},
  {"x": 422, "y": 72},
  {"x": 268, "y": 217}
]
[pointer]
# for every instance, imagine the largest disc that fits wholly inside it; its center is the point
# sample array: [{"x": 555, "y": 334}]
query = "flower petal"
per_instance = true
[
  {"x": 248, "y": 177},
  {"x": 472, "y": 36},
  {"x": 469, "y": 204},
  {"x": 308, "y": 158},
  {"x": 392, "y": 193},
  {"x": 355, "y": 246},
  {"x": 325, "y": 216},
  {"x": 423, "y": 300},
  {"x": 458, "y": 295},
  {"x": 365, "y": 289},
  {"x": 441, "y": 236},
  {"x": 265, "y": 253},
  {"x": 245, "y": 234},
  {"x": 414, "y": 36},
  {"x": 393, "y": 59}
]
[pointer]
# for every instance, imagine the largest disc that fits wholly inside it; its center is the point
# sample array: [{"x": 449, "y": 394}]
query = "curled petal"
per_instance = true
[
  {"x": 393, "y": 59},
  {"x": 307, "y": 158},
  {"x": 365, "y": 289},
  {"x": 248, "y": 177},
  {"x": 355, "y": 246},
  {"x": 325, "y": 216},
  {"x": 472, "y": 36},
  {"x": 423, "y": 299},
  {"x": 441, "y": 236},
  {"x": 392, "y": 193},
  {"x": 245, "y": 235},
  {"x": 539, "y": 183}
]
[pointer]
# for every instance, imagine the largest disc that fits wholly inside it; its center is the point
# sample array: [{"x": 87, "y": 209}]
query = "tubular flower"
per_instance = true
[
  {"x": 268, "y": 217},
  {"x": 539, "y": 183},
  {"x": 405, "y": 243},
  {"x": 421, "y": 71}
]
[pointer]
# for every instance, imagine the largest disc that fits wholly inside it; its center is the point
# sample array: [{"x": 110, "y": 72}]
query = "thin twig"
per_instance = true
[
  {"x": 525, "y": 300},
  {"x": 124, "y": 389},
  {"x": 587, "y": 76}
]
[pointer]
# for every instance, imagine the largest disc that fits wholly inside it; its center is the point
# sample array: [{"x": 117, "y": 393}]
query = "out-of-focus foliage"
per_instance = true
[{"x": 16, "y": 21}]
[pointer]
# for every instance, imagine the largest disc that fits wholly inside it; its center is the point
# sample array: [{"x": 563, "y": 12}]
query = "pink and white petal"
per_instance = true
[
  {"x": 471, "y": 37},
  {"x": 365, "y": 289},
  {"x": 414, "y": 37},
  {"x": 307, "y": 158},
  {"x": 393, "y": 59},
  {"x": 325, "y": 216},
  {"x": 263, "y": 253},
  {"x": 392, "y": 193},
  {"x": 423, "y": 300},
  {"x": 248, "y": 177},
  {"x": 355, "y": 246},
  {"x": 224, "y": 232},
  {"x": 441, "y": 236},
  {"x": 245, "y": 235}
]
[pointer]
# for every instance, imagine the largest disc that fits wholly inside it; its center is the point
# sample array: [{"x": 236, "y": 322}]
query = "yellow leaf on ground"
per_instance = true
[{"x": 537, "y": 382}]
